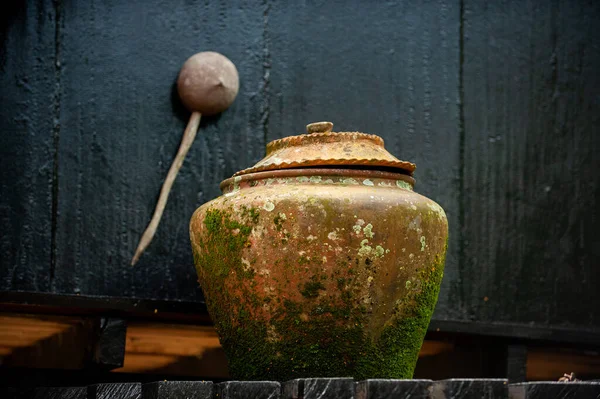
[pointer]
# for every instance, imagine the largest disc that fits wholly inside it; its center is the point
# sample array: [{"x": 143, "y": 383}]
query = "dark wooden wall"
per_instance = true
[{"x": 498, "y": 104}]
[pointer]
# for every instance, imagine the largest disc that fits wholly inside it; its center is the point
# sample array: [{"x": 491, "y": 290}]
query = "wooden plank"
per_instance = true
[
  {"x": 27, "y": 108},
  {"x": 127, "y": 390},
  {"x": 60, "y": 393},
  {"x": 58, "y": 342},
  {"x": 48, "y": 303},
  {"x": 533, "y": 332},
  {"x": 319, "y": 388},
  {"x": 21, "y": 331},
  {"x": 549, "y": 364},
  {"x": 386, "y": 68},
  {"x": 173, "y": 349},
  {"x": 381, "y": 389},
  {"x": 531, "y": 182},
  {"x": 558, "y": 390},
  {"x": 178, "y": 390},
  {"x": 40, "y": 341},
  {"x": 468, "y": 388},
  {"x": 121, "y": 124},
  {"x": 248, "y": 389}
]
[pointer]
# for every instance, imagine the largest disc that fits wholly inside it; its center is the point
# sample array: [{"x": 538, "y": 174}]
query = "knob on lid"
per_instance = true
[{"x": 322, "y": 147}]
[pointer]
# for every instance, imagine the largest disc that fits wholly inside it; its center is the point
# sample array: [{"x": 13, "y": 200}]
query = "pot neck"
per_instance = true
[{"x": 320, "y": 176}]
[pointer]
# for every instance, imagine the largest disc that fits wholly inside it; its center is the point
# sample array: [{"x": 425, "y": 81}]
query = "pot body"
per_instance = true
[{"x": 320, "y": 272}]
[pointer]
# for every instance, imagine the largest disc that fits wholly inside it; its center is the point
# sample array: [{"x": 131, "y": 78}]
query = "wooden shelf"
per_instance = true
[
  {"x": 193, "y": 350},
  {"x": 173, "y": 349}
]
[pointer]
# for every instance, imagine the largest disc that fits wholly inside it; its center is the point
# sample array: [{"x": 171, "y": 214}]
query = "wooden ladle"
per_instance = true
[{"x": 208, "y": 83}]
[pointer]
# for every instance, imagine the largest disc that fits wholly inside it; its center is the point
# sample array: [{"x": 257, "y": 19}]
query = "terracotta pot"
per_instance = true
[{"x": 321, "y": 260}]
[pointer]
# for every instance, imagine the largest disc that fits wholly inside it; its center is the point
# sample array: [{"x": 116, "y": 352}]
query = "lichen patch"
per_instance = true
[
  {"x": 368, "y": 231},
  {"x": 404, "y": 185},
  {"x": 268, "y": 206},
  {"x": 365, "y": 249}
]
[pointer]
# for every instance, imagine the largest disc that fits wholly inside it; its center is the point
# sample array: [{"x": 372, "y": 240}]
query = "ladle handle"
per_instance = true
[{"x": 186, "y": 142}]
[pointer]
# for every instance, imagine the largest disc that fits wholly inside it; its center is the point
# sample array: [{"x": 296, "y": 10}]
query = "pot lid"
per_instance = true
[{"x": 322, "y": 147}]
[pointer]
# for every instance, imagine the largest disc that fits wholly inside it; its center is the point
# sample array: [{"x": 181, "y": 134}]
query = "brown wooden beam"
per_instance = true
[
  {"x": 63, "y": 342},
  {"x": 150, "y": 347}
]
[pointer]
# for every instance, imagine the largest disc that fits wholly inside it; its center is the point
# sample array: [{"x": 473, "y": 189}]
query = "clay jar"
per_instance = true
[{"x": 321, "y": 260}]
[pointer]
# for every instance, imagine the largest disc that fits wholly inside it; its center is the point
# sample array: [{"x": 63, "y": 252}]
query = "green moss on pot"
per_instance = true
[
  {"x": 318, "y": 336},
  {"x": 223, "y": 243},
  {"x": 337, "y": 343}
]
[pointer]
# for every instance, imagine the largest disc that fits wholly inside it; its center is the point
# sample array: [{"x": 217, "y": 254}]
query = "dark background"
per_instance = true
[{"x": 497, "y": 102}]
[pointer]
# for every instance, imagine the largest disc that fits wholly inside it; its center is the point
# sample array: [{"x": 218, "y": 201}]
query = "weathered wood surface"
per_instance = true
[
  {"x": 496, "y": 103},
  {"x": 28, "y": 107},
  {"x": 319, "y": 388},
  {"x": 178, "y": 390},
  {"x": 531, "y": 188},
  {"x": 130, "y": 390},
  {"x": 325, "y": 388},
  {"x": 121, "y": 124}
]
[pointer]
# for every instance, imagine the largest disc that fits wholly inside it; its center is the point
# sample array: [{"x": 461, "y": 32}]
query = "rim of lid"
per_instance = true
[{"x": 326, "y": 148}]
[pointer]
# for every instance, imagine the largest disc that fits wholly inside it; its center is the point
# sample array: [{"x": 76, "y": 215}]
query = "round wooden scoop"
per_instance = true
[{"x": 208, "y": 83}]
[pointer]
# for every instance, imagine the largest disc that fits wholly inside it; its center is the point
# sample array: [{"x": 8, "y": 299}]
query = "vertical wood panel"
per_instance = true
[
  {"x": 27, "y": 106},
  {"x": 386, "y": 68},
  {"x": 121, "y": 124},
  {"x": 532, "y": 187}
]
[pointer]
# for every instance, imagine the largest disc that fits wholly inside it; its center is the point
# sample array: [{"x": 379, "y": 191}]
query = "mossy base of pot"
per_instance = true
[
  {"x": 336, "y": 345},
  {"x": 351, "y": 354}
]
